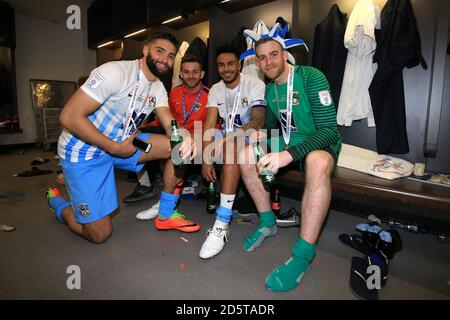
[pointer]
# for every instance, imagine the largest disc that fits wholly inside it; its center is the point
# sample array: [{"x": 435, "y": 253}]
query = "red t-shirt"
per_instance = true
[{"x": 176, "y": 106}]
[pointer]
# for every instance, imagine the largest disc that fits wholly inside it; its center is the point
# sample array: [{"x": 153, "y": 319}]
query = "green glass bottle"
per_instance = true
[
  {"x": 267, "y": 176},
  {"x": 175, "y": 139},
  {"x": 211, "y": 203}
]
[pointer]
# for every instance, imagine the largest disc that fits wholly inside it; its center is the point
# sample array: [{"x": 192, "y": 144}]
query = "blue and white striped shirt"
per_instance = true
[{"x": 113, "y": 85}]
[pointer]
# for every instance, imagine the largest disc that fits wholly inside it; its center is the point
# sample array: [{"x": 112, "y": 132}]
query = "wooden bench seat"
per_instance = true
[{"x": 407, "y": 195}]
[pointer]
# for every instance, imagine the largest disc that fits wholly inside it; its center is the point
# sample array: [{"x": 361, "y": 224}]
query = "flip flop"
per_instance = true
[
  {"x": 38, "y": 161},
  {"x": 358, "y": 279},
  {"x": 356, "y": 243},
  {"x": 34, "y": 171},
  {"x": 377, "y": 258},
  {"x": 391, "y": 248}
]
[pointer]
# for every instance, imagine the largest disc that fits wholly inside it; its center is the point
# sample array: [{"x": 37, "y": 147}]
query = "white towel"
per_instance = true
[{"x": 370, "y": 162}]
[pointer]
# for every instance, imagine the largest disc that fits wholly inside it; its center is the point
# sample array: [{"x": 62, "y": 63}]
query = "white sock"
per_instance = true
[
  {"x": 220, "y": 224},
  {"x": 145, "y": 180},
  {"x": 226, "y": 200}
]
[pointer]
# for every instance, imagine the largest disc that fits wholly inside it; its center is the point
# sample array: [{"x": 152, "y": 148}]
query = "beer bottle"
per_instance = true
[
  {"x": 276, "y": 202},
  {"x": 211, "y": 203},
  {"x": 408, "y": 226},
  {"x": 267, "y": 176},
  {"x": 175, "y": 139}
]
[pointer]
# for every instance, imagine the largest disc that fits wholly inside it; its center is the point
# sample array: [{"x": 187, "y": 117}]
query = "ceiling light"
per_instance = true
[
  {"x": 224, "y": 1},
  {"x": 105, "y": 44},
  {"x": 135, "y": 33},
  {"x": 170, "y": 20}
]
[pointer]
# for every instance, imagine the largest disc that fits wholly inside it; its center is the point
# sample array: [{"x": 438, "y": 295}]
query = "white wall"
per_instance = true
[
  {"x": 188, "y": 34},
  {"x": 45, "y": 50}
]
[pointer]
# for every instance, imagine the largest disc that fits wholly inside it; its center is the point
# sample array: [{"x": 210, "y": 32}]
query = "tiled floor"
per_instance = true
[{"x": 138, "y": 262}]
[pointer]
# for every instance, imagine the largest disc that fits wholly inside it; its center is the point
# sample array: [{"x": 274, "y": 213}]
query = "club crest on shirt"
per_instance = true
[
  {"x": 95, "y": 81},
  {"x": 295, "y": 98},
  {"x": 325, "y": 98},
  {"x": 83, "y": 209},
  {"x": 283, "y": 116},
  {"x": 244, "y": 102},
  {"x": 151, "y": 101},
  {"x": 197, "y": 107}
]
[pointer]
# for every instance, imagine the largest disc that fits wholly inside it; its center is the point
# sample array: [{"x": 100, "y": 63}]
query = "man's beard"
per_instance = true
[
  {"x": 192, "y": 86},
  {"x": 279, "y": 71},
  {"x": 151, "y": 64},
  {"x": 232, "y": 80}
]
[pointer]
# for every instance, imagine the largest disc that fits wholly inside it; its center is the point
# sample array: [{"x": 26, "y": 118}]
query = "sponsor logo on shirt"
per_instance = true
[
  {"x": 325, "y": 98},
  {"x": 136, "y": 120},
  {"x": 238, "y": 121},
  {"x": 244, "y": 102},
  {"x": 295, "y": 99},
  {"x": 283, "y": 116},
  {"x": 95, "y": 81}
]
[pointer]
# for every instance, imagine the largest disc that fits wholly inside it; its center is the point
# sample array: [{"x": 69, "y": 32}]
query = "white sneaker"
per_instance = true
[
  {"x": 149, "y": 213},
  {"x": 215, "y": 241}
]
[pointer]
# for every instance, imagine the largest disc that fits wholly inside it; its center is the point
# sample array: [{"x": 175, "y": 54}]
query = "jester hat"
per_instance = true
[{"x": 275, "y": 33}]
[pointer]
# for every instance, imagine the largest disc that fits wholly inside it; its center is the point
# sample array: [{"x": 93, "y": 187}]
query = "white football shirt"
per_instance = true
[{"x": 251, "y": 95}]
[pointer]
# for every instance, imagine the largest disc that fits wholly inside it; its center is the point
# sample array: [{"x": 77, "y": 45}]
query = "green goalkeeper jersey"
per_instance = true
[{"x": 313, "y": 121}]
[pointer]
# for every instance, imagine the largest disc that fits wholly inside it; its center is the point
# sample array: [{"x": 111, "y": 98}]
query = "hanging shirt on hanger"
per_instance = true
[
  {"x": 360, "y": 41},
  {"x": 398, "y": 46},
  {"x": 239, "y": 41},
  {"x": 329, "y": 53},
  {"x": 199, "y": 49}
]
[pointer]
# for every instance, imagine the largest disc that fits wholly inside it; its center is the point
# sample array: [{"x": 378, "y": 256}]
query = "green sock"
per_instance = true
[
  {"x": 288, "y": 275},
  {"x": 267, "y": 227}
]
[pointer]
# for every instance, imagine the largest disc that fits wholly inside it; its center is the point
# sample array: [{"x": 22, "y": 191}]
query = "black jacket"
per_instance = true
[
  {"x": 199, "y": 49},
  {"x": 329, "y": 52},
  {"x": 239, "y": 42},
  {"x": 398, "y": 46}
]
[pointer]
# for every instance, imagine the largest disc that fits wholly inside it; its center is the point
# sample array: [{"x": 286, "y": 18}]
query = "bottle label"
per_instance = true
[
  {"x": 276, "y": 205},
  {"x": 258, "y": 151}
]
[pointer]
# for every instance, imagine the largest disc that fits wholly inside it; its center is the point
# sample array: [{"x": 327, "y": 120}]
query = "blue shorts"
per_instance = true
[{"x": 91, "y": 184}]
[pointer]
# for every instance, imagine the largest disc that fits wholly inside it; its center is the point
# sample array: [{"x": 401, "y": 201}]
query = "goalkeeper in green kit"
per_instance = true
[{"x": 299, "y": 98}]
